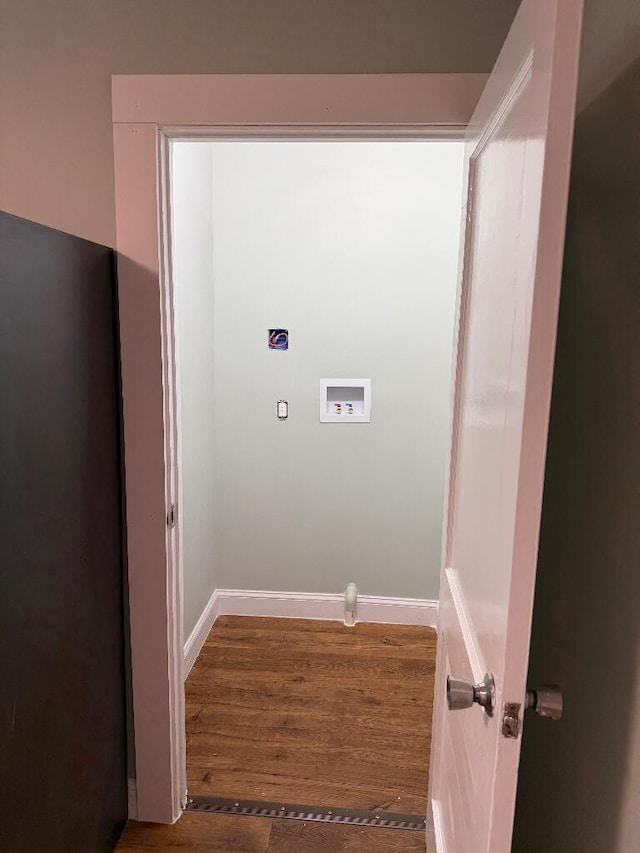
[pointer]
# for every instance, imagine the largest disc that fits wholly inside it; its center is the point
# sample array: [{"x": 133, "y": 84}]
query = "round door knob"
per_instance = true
[
  {"x": 461, "y": 694},
  {"x": 546, "y": 701}
]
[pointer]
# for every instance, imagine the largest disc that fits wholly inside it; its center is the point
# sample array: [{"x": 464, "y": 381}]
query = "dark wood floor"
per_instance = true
[{"x": 307, "y": 712}]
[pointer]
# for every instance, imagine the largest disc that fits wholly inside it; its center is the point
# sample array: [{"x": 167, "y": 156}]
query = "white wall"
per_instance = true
[
  {"x": 193, "y": 294},
  {"x": 353, "y": 247}
]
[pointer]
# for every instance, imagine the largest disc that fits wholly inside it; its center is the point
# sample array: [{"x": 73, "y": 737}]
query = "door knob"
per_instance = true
[
  {"x": 546, "y": 701},
  {"x": 462, "y": 694}
]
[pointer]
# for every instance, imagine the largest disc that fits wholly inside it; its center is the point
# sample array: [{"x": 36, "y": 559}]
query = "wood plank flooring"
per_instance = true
[
  {"x": 224, "y": 834},
  {"x": 308, "y": 712}
]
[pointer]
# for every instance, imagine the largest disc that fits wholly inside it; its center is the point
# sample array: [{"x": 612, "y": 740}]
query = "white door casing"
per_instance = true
[
  {"x": 518, "y": 155},
  {"x": 149, "y": 111}
]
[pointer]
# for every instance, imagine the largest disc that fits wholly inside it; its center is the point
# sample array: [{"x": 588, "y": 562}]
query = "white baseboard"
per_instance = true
[
  {"x": 310, "y": 605},
  {"x": 132, "y": 797},
  {"x": 305, "y": 605},
  {"x": 194, "y": 644},
  {"x": 397, "y": 611}
]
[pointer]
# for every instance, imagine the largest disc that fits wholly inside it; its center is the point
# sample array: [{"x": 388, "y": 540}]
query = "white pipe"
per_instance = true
[{"x": 350, "y": 602}]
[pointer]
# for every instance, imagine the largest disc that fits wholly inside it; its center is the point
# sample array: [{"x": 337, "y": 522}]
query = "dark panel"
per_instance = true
[
  {"x": 575, "y": 775},
  {"x": 62, "y": 698}
]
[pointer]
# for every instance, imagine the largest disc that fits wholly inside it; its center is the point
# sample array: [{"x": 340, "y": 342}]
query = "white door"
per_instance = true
[{"x": 518, "y": 155}]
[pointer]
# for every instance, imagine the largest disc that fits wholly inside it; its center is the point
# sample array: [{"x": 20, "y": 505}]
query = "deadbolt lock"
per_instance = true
[{"x": 461, "y": 694}]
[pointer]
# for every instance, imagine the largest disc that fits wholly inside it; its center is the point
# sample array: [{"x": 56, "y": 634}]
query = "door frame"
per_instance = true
[{"x": 149, "y": 111}]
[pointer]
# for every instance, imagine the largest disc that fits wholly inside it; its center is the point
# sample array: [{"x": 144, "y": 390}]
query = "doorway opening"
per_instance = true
[{"x": 314, "y": 287}]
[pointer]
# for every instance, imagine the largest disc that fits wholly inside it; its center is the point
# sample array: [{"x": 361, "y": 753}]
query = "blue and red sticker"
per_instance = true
[{"x": 279, "y": 339}]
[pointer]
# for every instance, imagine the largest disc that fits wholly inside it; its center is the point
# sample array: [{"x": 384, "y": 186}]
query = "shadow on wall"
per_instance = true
[{"x": 577, "y": 783}]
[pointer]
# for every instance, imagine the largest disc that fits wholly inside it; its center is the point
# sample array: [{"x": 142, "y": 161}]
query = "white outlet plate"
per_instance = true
[{"x": 345, "y": 401}]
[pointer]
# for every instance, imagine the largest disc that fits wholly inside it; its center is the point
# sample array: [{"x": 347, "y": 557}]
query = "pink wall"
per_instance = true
[{"x": 56, "y": 59}]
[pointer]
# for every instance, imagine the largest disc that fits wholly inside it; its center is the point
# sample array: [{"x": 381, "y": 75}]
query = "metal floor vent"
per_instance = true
[{"x": 320, "y": 814}]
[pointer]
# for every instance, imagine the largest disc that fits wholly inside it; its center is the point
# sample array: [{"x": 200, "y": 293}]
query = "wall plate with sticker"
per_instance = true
[{"x": 279, "y": 339}]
